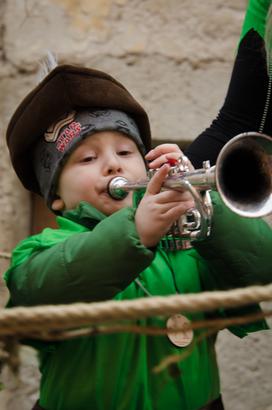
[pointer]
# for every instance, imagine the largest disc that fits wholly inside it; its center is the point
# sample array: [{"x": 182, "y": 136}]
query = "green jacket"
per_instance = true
[{"x": 93, "y": 257}]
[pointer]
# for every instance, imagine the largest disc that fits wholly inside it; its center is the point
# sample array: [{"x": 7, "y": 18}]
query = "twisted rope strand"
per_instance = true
[
  {"x": 213, "y": 324},
  {"x": 60, "y": 317}
]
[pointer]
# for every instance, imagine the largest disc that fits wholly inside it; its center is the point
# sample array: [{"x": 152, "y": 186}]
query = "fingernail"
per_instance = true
[{"x": 149, "y": 153}]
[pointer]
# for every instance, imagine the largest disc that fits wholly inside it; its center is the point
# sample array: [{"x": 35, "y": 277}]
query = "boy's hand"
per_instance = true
[
  {"x": 163, "y": 153},
  {"x": 158, "y": 210}
]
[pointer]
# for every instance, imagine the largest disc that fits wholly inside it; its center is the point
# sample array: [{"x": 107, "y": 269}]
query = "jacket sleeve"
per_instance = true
[
  {"x": 255, "y": 17},
  {"x": 88, "y": 266},
  {"x": 238, "y": 252},
  {"x": 243, "y": 107}
]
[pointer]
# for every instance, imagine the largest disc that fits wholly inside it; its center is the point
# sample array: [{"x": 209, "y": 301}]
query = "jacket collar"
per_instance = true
[{"x": 85, "y": 214}]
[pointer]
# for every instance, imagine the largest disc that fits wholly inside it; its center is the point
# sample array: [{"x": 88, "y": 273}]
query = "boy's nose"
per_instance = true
[{"x": 112, "y": 166}]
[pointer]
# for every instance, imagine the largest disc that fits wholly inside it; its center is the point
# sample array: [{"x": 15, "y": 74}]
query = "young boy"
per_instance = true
[{"x": 70, "y": 136}]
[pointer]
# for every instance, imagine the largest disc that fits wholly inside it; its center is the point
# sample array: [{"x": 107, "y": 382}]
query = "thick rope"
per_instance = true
[
  {"x": 5, "y": 255},
  {"x": 24, "y": 320}
]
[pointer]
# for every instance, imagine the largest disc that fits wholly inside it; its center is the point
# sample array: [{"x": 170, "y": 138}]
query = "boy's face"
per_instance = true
[{"x": 86, "y": 174}]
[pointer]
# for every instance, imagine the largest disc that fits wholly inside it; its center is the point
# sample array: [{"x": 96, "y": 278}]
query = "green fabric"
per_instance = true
[
  {"x": 74, "y": 256},
  {"x": 244, "y": 244},
  {"x": 256, "y": 16},
  {"x": 115, "y": 372}
]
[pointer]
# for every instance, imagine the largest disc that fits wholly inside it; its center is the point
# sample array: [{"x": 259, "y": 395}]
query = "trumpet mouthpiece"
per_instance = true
[{"x": 116, "y": 188}]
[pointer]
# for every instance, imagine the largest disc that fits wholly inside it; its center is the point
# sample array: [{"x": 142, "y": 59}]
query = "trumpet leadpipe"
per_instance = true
[{"x": 202, "y": 179}]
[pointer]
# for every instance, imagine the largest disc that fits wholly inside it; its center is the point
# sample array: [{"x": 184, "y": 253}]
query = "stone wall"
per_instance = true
[{"x": 175, "y": 56}]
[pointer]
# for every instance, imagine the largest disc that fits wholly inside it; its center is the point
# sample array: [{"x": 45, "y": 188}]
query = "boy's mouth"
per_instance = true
[
  {"x": 106, "y": 195},
  {"x": 104, "y": 192}
]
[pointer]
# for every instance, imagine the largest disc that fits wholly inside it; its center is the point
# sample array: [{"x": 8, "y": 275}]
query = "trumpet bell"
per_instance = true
[{"x": 244, "y": 174}]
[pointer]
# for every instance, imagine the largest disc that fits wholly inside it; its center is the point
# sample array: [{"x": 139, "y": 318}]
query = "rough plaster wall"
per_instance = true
[{"x": 175, "y": 56}]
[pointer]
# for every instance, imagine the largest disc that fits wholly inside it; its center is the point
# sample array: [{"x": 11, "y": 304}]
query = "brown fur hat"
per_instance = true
[{"x": 66, "y": 88}]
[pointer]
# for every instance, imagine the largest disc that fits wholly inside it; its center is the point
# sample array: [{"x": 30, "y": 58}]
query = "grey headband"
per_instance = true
[{"x": 52, "y": 150}]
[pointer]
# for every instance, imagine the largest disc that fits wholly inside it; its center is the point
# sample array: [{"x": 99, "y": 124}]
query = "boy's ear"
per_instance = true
[{"x": 58, "y": 204}]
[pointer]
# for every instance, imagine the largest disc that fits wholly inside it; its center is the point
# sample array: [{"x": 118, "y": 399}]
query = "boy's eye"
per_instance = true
[
  {"x": 124, "y": 152},
  {"x": 89, "y": 158}
]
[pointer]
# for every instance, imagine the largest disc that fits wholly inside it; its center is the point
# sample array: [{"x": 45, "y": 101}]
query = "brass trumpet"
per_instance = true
[{"x": 242, "y": 176}]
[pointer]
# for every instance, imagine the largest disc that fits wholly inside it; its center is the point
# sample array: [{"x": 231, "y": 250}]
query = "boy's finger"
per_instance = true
[
  {"x": 173, "y": 213},
  {"x": 164, "y": 158},
  {"x": 162, "y": 149},
  {"x": 156, "y": 182},
  {"x": 173, "y": 196},
  {"x": 174, "y": 208}
]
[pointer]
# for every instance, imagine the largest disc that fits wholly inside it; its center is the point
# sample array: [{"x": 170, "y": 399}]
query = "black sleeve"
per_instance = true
[{"x": 244, "y": 105}]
